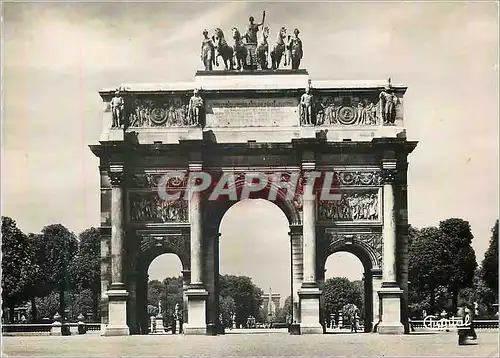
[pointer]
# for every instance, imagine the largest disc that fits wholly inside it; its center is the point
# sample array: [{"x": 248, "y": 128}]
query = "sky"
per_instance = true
[{"x": 56, "y": 56}]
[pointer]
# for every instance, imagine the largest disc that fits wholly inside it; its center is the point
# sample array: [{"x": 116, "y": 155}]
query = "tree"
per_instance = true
[
  {"x": 463, "y": 259},
  {"x": 338, "y": 292},
  {"x": 227, "y": 307},
  {"x": 412, "y": 234},
  {"x": 429, "y": 263},
  {"x": 57, "y": 247},
  {"x": 174, "y": 296},
  {"x": 285, "y": 311},
  {"x": 489, "y": 265},
  {"x": 169, "y": 293},
  {"x": 156, "y": 293},
  {"x": 19, "y": 266},
  {"x": 86, "y": 266},
  {"x": 246, "y": 295}
]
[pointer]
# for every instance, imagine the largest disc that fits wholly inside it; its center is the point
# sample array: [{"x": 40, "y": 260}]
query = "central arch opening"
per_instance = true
[
  {"x": 347, "y": 293},
  {"x": 254, "y": 267}
]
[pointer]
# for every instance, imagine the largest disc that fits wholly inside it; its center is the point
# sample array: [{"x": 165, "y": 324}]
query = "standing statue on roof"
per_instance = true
[
  {"x": 253, "y": 29},
  {"x": 207, "y": 52},
  {"x": 251, "y": 40},
  {"x": 296, "y": 49}
]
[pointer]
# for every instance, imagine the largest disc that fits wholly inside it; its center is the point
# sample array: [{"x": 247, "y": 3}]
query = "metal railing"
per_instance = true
[{"x": 42, "y": 329}]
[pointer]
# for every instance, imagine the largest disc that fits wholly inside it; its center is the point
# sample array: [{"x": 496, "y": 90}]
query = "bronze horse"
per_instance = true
[
  {"x": 223, "y": 50},
  {"x": 240, "y": 50},
  {"x": 278, "y": 49}
]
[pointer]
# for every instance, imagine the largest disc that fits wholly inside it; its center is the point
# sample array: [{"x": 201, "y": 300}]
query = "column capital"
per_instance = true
[
  {"x": 389, "y": 170},
  {"x": 115, "y": 173},
  {"x": 295, "y": 231}
]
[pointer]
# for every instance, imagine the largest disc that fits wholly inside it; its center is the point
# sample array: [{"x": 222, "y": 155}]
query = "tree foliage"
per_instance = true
[
  {"x": 463, "y": 266},
  {"x": 246, "y": 295},
  {"x": 19, "y": 264},
  {"x": 168, "y": 293},
  {"x": 338, "y": 292},
  {"x": 489, "y": 265},
  {"x": 285, "y": 312},
  {"x": 86, "y": 266},
  {"x": 227, "y": 307},
  {"x": 57, "y": 247}
]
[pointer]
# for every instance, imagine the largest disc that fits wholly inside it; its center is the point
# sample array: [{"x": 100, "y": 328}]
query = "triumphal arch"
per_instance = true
[{"x": 233, "y": 123}]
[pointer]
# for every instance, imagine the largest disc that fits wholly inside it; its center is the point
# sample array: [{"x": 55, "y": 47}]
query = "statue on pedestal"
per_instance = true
[
  {"x": 195, "y": 109},
  {"x": 296, "y": 49},
  {"x": 306, "y": 104},
  {"x": 118, "y": 110},
  {"x": 207, "y": 52}
]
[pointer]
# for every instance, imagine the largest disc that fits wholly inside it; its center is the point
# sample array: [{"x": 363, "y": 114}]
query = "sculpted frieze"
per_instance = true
[
  {"x": 372, "y": 242},
  {"x": 358, "y": 178},
  {"x": 151, "y": 180},
  {"x": 339, "y": 110},
  {"x": 149, "y": 207},
  {"x": 353, "y": 206}
]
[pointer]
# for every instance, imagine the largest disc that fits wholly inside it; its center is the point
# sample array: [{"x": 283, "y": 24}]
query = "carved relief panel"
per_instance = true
[
  {"x": 158, "y": 111},
  {"x": 370, "y": 243},
  {"x": 148, "y": 207},
  {"x": 360, "y": 197},
  {"x": 354, "y": 110},
  {"x": 353, "y": 206}
]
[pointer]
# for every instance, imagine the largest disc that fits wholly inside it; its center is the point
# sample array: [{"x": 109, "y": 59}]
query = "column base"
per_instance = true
[
  {"x": 197, "y": 310},
  {"x": 390, "y": 299},
  {"x": 309, "y": 295},
  {"x": 190, "y": 329},
  {"x": 113, "y": 331},
  {"x": 390, "y": 328},
  {"x": 311, "y": 328},
  {"x": 117, "y": 311}
]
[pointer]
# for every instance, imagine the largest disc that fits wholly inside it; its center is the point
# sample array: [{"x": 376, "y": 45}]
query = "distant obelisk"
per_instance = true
[{"x": 270, "y": 311}]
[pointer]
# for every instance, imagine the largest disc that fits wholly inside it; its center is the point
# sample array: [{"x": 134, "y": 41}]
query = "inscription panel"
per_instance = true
[{"x": 242, "y": 112}]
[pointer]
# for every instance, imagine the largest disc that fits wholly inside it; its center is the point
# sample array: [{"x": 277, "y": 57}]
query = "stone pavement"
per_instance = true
[{"x": 268, "y": 344}]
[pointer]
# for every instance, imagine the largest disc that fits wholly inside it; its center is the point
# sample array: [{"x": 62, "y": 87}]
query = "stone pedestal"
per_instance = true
[
  {"x": 197, "y": 307},
  {"x": 56, "y": 329},
  {"x": 160, "y": 328},
  {"x": 117, "y": 325},
  {"x": 309, "y": 309},
  {"x": 390, "y": 298}
]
